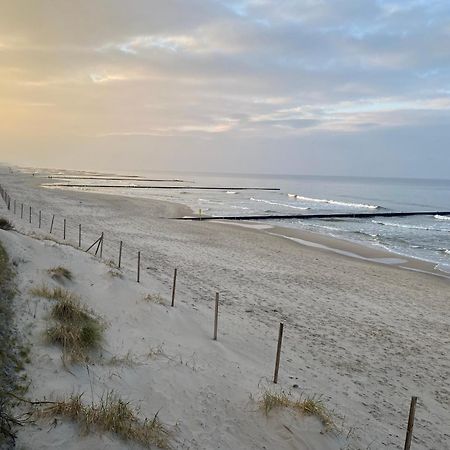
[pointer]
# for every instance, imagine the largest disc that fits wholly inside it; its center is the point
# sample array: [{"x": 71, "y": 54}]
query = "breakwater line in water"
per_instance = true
[
  {"x": 321, "y": 216},
  {"x": 117, "y": 186}
]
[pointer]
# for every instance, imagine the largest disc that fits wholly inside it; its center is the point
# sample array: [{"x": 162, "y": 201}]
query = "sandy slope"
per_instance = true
[
  {"x": 201, "y": 388},
  {"x": 366, "y": 336}
]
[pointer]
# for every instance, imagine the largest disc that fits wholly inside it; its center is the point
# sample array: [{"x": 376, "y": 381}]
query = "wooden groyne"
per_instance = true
[
  {"x": 362, "y": 215},
  {"x": 130, "y": 178},
  {"x": 205, "y": 188}
]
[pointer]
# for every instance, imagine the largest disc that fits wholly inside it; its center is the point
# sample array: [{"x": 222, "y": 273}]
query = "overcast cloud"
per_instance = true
[{"x": 330, "y": 87}]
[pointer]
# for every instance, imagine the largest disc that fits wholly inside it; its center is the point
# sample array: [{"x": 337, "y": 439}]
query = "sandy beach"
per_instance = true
[{"x": 364, "y": 329}]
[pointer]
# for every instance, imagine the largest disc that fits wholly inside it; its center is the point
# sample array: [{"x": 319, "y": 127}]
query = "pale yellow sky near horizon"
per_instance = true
[{"x": 256, "y": 86}]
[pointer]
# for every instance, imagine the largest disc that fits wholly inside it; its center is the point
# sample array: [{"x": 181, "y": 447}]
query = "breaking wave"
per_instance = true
[
  {"x": 278, "y": 204},
  {"x": 364, "y": 233},
  {"x": 334, "y": 202},
  {"x": 438, "y": 217},
  {"x": 410, "y": 227}
]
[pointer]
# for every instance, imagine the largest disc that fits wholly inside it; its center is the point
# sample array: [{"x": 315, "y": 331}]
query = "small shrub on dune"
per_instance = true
[
  {"x": 111, "y": 414},
  {"x": 52, "y": 293},
  {"x": 5, "y": 224},
  {"x": 311, "y": 406},
  {"x": 60, "y": 273}
]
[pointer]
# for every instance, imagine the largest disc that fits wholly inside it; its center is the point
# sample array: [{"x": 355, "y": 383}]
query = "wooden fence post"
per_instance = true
[
  {"x": 14, "y": 207},
  {"x": 174, "y": 286},
  {"x": 79, "y": 235},
  {"x": 139, "y": 267},
  {"x": 40, "y": 218},
  {"x": 96, "y": 242},
  {"x": 21, "y": 212},
  {"x": 216, "y": 316},
  {"x": 120, "y": 254},
  {"x": 30, "y": 214},
  {"x": 99, "y": 243},
  {"x": 409, "y": 430},
  {"x": 101, "y": 246},
  {"x": 277, "y": 360},
  {"x": 64, "y": 230},
  {"x": 51, "y": 225}
]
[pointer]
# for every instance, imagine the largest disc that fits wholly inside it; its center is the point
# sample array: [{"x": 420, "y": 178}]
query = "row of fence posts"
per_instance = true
[{"x": 99, "y": 250}]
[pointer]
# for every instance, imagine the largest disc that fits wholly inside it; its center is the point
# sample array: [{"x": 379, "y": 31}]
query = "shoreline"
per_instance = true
[
  {"x": 345, "y": 247},
  {"x": 320, "y": 241}
]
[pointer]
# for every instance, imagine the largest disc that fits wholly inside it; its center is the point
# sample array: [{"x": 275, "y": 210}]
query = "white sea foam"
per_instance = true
[
  {"x": 277, "y": 204},
  {"x": 439, "y": 217},
  {"x": 334, "y": 202},
  {"x": 409, "y": 227},
  {"x": 231, "y": 192},
  {"x": 238, "y": 207}
]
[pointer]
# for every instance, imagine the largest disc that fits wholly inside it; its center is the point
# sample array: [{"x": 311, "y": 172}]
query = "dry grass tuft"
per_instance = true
[
  {"x": 76, "y": 329},
  {"x": 53, "y": 293},
  {"x": 311, "y": 406},
  {"x": 115, "y": 273},
  {"x": 155, "y": 351},
  {"x": 68, "y": 310},
  {"x": 60, "y": 273},
  {"x": 111, "y": 414},
  {"x": 76, "y": 340},
  {"x": 127, "y": 360},
  {"x": 154, "y": 298}
]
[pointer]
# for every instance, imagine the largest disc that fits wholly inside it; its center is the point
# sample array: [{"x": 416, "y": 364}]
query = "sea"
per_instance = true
[{"x": 422, "y": 237}]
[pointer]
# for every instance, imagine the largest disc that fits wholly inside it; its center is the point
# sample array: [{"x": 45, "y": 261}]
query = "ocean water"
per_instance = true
[{"x": 422, "y": 237}]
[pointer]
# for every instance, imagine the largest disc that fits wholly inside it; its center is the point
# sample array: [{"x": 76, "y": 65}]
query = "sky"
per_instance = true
[{"x": 338, "y": 87}]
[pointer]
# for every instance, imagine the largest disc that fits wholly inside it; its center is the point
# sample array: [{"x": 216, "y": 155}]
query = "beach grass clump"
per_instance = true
[
  {"x": 311, "y": 406},
  {"x": 76, "y": 329},
  {"x": 5, "y": 224},
  {"x": 68, "y": 310},
  {"x": 60, "y": 273},
  {"x": 154, "y": 298},
  {"x": 76, "y": 340},
  {"x": 56, "y": 293},
  {"x": 111, "y": 414}
]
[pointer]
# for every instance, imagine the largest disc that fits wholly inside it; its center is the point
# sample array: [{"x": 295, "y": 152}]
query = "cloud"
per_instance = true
[{"x": 245, "y": 69}]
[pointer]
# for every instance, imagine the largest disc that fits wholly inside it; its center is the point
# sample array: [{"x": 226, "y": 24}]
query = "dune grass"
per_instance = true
[
  {"x": 60, "y": 273},
  {"x": 114, "y": 273},
  {"x": 111, "y": 414},
  {"x": 127, "y": 360},
  {"x": 311, "y": 406},
  {"x": 76, "y": 329},
  {"x": 10, "y": 360},
  {"x": 154, "y": 298},
  {"x": 69, "y": 310},
  {"x": 49, "y": 293}
]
